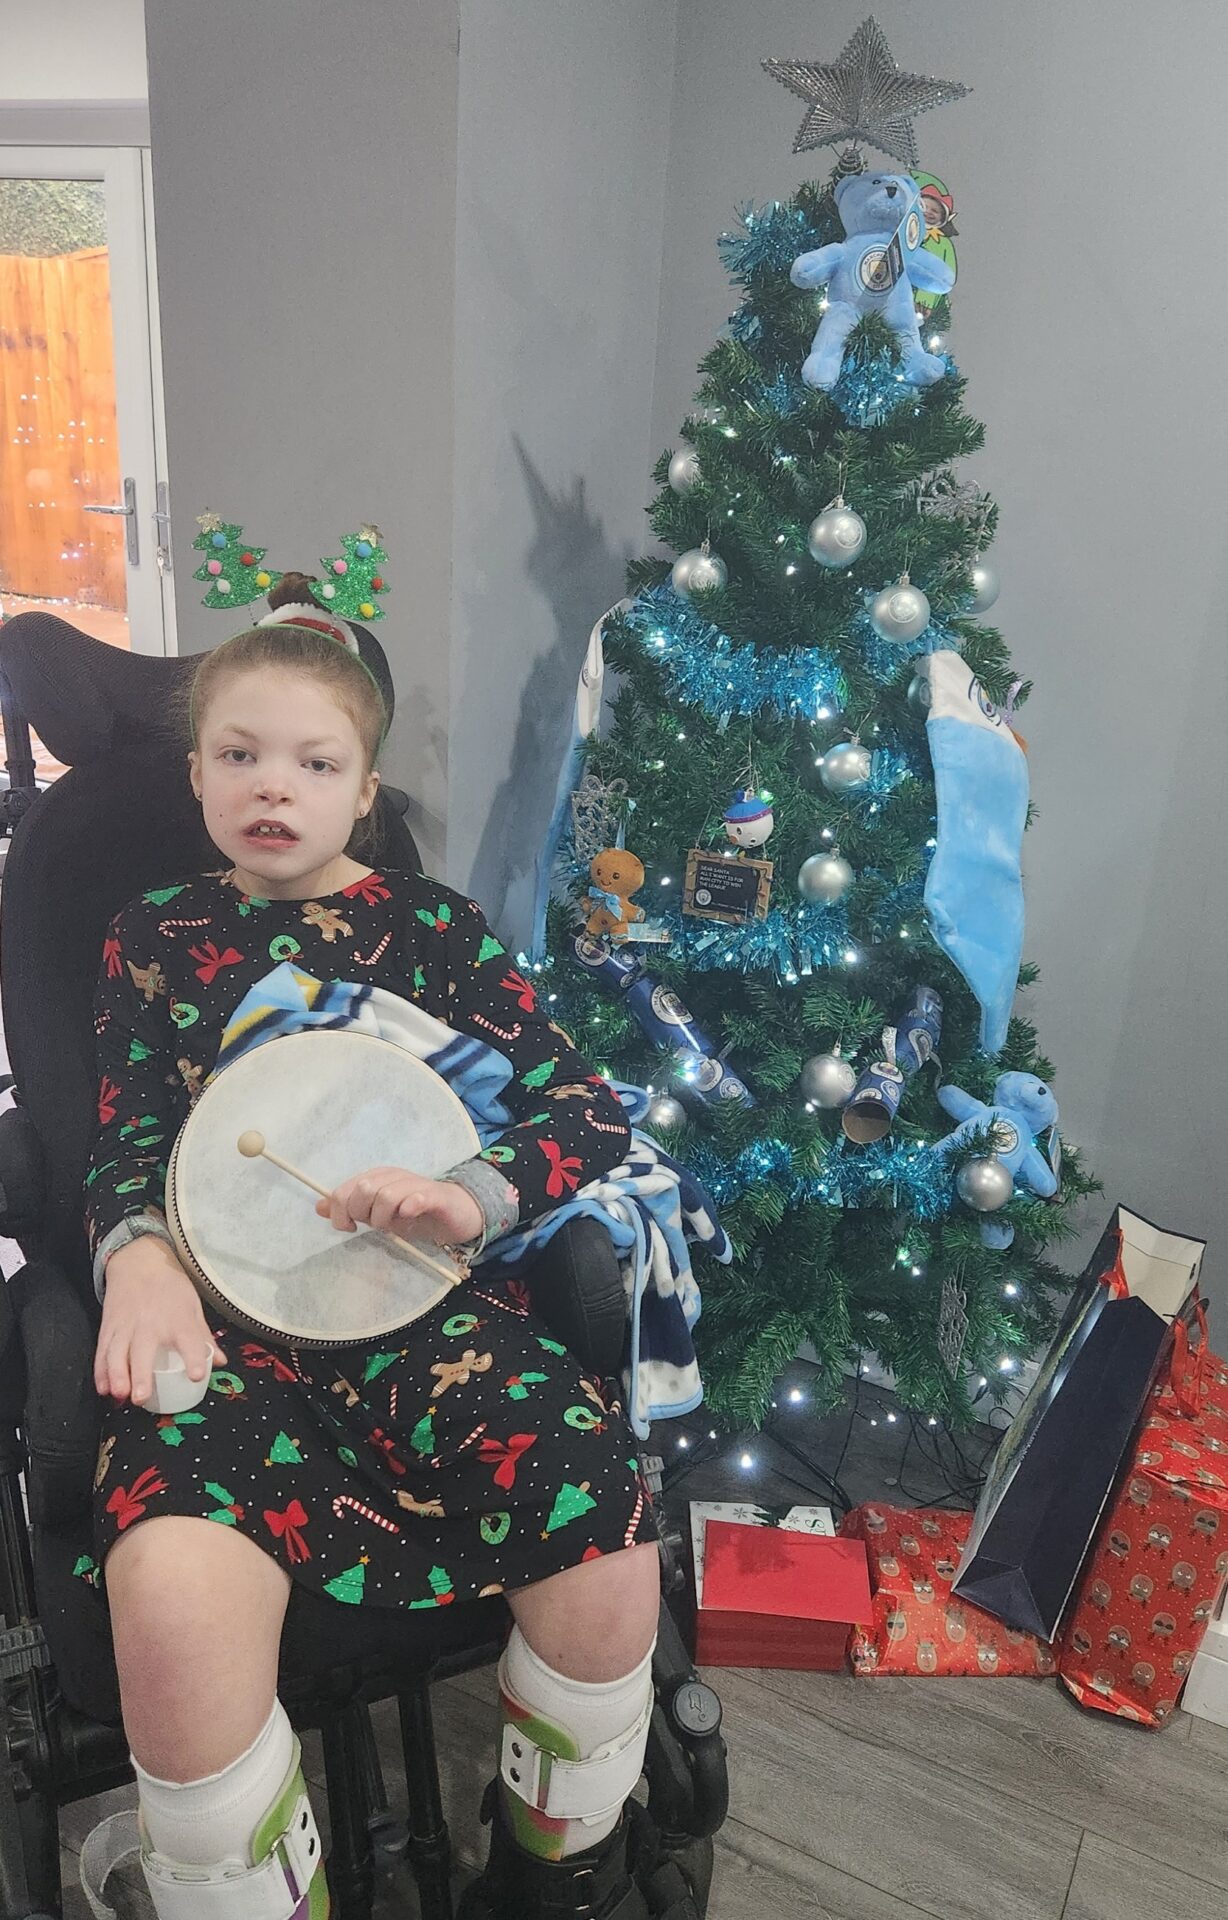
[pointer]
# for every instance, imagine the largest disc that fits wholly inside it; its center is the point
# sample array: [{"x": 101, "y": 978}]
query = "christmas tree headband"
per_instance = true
[
  {"x": 237, "y": 575},
  {"x": 349, "y": 590}
]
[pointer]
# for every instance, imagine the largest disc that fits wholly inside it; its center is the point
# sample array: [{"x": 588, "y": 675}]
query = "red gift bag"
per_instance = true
[
  {"x": 1160, "y": 1561},
  {"x": 917, "y": 1625}
]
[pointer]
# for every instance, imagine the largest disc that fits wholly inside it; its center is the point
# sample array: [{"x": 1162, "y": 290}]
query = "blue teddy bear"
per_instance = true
[
  {"x": 1023, "y": 1106},
  {"x": 874, "y": 270}
]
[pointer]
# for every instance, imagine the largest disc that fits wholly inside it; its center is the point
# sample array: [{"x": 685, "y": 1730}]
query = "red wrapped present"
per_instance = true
[
  {"x": 916, "y": 1626},
  {"x": 1156, "y": 1573},
  {"x": 772, "y": 1590}
]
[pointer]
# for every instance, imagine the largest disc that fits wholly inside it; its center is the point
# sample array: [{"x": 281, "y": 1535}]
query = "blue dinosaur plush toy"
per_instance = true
[
  {"x": 874, "y": 270},
  {"x": 1023, "y": 1106}
]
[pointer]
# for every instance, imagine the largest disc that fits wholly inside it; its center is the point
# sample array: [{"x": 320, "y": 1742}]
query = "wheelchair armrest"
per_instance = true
[
  {"x": 62, "y": 1412},
  {"x": 22, "y": 1176},
  {"x": 576, "y": 1287}
]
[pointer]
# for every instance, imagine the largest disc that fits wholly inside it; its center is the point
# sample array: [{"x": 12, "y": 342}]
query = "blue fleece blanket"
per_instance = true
[{"x": 652, "y": 1208}]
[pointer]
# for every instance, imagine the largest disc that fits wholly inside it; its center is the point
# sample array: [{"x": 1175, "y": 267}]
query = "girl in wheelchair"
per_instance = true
[{"x": 358, "y": 1473}]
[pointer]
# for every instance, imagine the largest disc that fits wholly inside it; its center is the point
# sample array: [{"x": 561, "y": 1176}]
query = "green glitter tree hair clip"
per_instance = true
[{"x": 351, "y": 587}]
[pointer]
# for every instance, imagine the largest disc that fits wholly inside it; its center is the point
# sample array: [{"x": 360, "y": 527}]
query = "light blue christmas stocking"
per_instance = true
[{"x": 974, "y": 891}]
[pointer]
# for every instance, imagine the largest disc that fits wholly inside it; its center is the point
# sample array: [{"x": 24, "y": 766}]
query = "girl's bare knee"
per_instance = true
[
  {"x": 595, "y": 1621},
  {"x": 192, "y": 1602}
]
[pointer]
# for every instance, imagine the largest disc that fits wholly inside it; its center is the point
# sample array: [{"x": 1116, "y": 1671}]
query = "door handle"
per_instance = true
[
  {"x": 128, "y": 510},
  {"x": 161, "y": 518}
]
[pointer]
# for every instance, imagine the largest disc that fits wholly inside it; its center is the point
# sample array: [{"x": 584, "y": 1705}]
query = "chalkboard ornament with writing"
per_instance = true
[{"x": 721, "y": 887}]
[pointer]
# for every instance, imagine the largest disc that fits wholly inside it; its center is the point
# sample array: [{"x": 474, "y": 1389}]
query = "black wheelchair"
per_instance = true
[{"x": 117, "y": 822}]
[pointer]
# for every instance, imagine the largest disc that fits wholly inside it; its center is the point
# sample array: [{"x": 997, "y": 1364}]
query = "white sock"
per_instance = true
[
  {"x": 591, "y": 1712},
  {"x": 210, "y": 1822}
]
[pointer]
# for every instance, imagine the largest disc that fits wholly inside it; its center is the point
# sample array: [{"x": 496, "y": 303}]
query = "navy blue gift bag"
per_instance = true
[{"x": 1056, "y": 1466}]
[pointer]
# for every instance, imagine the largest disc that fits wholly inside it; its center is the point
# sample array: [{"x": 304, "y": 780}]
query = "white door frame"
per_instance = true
[{"x": 124, "y": 174}]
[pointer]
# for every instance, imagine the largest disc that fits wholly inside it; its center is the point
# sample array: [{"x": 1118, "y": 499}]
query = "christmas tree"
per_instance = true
[{"x": 812, "y": 752}]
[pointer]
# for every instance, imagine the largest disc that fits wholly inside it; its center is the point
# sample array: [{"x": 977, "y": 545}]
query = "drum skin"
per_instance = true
[{"x": 332, "y": 1103}]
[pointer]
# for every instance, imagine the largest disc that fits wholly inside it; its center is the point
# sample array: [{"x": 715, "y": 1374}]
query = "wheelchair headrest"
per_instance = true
[{"x": 84, "y": 697}]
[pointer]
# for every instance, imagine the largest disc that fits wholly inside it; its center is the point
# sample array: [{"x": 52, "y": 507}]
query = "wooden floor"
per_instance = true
[{"x": 890, "y": 1799}]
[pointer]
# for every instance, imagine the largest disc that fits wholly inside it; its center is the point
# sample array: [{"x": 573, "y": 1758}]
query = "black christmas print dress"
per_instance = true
[{"x": 476, "y": 1458}]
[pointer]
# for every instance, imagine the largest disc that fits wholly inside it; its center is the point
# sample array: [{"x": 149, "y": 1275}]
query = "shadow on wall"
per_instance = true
[{"x": 579, "y": 574}]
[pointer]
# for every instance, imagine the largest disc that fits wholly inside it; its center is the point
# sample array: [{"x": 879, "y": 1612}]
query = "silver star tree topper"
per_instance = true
[{"x": 862, "y": 96}]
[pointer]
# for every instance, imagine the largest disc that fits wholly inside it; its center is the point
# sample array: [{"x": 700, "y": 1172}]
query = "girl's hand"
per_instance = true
[
  {"x": 391, "y": 1199},
  {"x": 149, "y": 1303}
]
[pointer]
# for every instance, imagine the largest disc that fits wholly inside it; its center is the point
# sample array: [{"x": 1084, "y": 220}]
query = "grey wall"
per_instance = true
[
  {"x": 564, "y": 137},
  {"x": 379, "y": 299},
  {"x": 1088, "y": 319},
  {"x": 72, "y": 50},
  {"x": 304, "y": 166}
]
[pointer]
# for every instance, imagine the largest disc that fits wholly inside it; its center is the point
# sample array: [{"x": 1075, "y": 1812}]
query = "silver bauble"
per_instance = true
[
  {"x": 985, "y": 586},
  {"x": 899, "y": 613},
  {"x": 837, "y": 537},
  {"x": 920, "y": 693},
  {"x": 695, "y": 570},
  {"x": 826, "y": 1080},
  {"x": 824, "y": 878},
  {"x": 846, "y": 767},
  {"x": 665, "y": 1113},
  {"x": 684, "y": 470},
  {"x": 984, "y": 1183}
]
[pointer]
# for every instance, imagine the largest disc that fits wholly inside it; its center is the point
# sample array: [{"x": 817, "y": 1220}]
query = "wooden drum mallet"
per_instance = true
[{"x": 252, "y": 1146}]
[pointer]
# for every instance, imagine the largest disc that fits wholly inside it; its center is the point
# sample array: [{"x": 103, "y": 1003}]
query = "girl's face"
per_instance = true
[{"x": 280, "y": 773}]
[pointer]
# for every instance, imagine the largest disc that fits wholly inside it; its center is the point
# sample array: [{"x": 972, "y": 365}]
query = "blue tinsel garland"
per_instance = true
[
  {"x": 884, "y": 657},
  {"x": 711, "y": 672},
  {"x": 911, "y": 1174},
  {"x": 851, "y": 1177},
  {"x": 783, "y": 395},
  {"x": 870, "y": 391},
  {"x": 770, "y": 236},
  {"x": 822, "y": 937},
  {"x": 745, "y": 326}
]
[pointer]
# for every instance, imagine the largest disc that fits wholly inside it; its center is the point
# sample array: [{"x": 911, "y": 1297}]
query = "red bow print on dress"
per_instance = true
[
  {"x": 517, "y": 984},
  {"x": 212, "y": 961},
  {"x": 370, "y": 888},
  {"x": 107, "y": 1094},
  {"x": 128, "y": 1503},
  {"x": 508, "y": 1456},
  {"x": 286, "y": 1526},
  {"x": 113, "y": 957},
  {"x": 564, "y": 1175}
]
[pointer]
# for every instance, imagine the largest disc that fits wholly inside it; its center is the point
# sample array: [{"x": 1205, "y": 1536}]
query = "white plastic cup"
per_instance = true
[{"x": 174, "y": 1390}]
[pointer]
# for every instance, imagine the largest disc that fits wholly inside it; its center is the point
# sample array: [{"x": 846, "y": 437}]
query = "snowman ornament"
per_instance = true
[{"x": 749, "y": 819}]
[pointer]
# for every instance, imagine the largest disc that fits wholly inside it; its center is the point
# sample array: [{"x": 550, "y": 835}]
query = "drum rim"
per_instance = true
[{"x": 249, "y": 1322}]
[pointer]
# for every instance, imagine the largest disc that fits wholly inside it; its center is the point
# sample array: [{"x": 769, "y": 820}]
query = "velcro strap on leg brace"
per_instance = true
[
  {"x": 575, "y": 1789},
  {"x": 272, "y": 1890}
]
